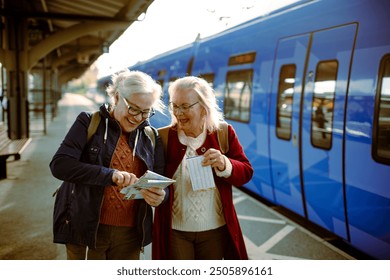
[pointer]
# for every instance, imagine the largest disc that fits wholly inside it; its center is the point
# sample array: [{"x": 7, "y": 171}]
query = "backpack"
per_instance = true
[
  {"x": 95, "y": 120},
  {"x": 222, "y": 134}
]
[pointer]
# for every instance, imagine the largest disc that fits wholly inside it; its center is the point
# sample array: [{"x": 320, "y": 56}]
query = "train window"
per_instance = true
[
  {"x": 209, "y": 77},
  {"x": 323, "y": 104},
  {"x": 238, "y": 92},
  {"x": 285, "y": 99},
  {"x": 381, "y": 143}
]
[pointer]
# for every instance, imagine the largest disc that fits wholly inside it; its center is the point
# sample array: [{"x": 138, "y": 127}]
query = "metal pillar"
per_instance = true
[{"x": 17, "y": 107}]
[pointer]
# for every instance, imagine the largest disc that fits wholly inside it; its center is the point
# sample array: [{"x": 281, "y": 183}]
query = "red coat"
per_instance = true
[{"x": 242, "y": 172}]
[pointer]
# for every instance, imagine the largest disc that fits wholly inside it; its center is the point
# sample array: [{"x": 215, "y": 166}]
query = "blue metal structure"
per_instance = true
[{"x": 307, "y": 88}]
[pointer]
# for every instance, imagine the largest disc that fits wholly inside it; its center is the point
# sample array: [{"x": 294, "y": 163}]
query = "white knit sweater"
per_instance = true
[{"x": 194, "y": 210}]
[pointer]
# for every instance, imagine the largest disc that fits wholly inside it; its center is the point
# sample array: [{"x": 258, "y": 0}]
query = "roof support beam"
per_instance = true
[{"x": 62, "y": 37}]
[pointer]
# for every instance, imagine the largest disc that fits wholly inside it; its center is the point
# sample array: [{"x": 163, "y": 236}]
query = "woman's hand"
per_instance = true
[
  {"x": 153, "y": 196},
  {"x": 123, "y": 178},
  {"x": 214, "y": 158}
]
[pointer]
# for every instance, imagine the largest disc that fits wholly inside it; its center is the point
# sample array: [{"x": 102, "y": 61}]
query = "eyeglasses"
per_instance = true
[
  {"x": 135, "y": 112},
  {"x": 183, "y": 108}
]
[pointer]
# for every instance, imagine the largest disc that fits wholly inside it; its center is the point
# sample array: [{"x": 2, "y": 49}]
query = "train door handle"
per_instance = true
[{"x": 294, "y": 140}]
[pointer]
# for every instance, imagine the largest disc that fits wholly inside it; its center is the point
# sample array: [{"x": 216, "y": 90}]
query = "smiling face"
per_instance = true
[
  {"x": 141, "y": 102},
  {"x": 190, "y": 119}
]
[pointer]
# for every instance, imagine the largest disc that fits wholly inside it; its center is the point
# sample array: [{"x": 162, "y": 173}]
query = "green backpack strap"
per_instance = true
[
  {"x": 223, "y": 137},
  {"x": 93, "y": 125}
]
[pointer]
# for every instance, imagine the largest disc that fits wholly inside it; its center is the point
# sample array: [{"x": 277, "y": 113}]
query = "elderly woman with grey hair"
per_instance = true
[
  {"x": 199, "y": 222},
  {"x": 90, "y": 215}
]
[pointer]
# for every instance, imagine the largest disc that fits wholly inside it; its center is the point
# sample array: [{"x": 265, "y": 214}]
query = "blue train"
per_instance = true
[{"x": 307, "y": 89}]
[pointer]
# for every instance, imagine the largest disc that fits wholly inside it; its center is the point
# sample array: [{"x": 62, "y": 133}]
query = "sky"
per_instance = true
[{"x": 169, "y": 24}]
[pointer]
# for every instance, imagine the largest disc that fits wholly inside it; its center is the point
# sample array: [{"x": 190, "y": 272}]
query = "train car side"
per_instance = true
[{"x": 367, "y": 134}]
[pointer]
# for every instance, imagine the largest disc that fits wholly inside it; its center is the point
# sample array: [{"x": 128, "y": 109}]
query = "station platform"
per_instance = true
[{"x": 26, "y": 205}]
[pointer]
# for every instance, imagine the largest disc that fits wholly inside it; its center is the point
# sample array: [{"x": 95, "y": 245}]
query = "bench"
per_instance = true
[{"x": 9, "y": 148}]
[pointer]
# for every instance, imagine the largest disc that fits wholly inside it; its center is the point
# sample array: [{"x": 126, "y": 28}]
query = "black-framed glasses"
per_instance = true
[
  {"x": 183, "y": 108},
  {"x": 135, "y": 112}
]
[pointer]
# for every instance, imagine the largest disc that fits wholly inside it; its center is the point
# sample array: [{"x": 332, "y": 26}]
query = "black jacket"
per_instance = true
[{"x": 84, "y": 168}]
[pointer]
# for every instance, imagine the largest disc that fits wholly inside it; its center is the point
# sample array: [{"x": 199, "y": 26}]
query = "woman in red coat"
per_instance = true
[{"x": 199, "y": 221}]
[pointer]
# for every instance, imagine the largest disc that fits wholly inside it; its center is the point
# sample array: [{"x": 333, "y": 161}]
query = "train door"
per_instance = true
[
  {"x": 322, "y": 134},
  {"x": 308, "y": 134},
  {"x": 286, "y": 95}
]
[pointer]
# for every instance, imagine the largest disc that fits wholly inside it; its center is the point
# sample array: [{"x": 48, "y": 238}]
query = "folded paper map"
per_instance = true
[{"x": 148, "y": 180}]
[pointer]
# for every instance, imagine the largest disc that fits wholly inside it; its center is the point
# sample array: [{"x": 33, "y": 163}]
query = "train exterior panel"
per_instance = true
[{"x": 307, "y": 88}]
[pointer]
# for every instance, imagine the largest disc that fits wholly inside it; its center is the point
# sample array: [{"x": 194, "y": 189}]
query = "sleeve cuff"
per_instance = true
[{"x": 228, "y": 169}]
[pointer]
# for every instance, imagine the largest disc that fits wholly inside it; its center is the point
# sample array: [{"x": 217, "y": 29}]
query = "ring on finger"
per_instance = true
[{"x": 213, "y": 160}]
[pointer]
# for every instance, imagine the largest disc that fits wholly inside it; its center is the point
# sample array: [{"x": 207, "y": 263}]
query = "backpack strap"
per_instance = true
[
  {"x": 149, "y": 131},
  {"x": 163, "y": 132},
  {"x": 223, "y": 137},
  {"x": 93, "y": 125}
]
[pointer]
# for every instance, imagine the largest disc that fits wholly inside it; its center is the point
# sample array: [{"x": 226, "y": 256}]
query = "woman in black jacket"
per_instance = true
[{"x": 90, "y": 215}]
